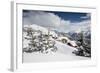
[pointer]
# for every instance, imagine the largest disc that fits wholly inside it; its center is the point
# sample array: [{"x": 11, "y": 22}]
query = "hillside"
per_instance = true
[{"x": 63, "y": 51}]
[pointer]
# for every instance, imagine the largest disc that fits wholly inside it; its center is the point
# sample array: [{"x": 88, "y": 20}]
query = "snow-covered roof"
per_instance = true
[
  {"x": 62, "y": 37},
  {"x": 73, "y": 43}
]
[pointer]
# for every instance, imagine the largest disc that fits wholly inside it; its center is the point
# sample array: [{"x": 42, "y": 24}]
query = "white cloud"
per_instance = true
[
  {"x": 88, "y": 15},
  {"x": 81, "y": 26},
  {"x": 43, "y": 19},
  {"x": 52, "y": 20},
  {"x": 76, "y": 27}
]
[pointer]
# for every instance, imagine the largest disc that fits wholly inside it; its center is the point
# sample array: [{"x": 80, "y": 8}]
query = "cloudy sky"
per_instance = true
[{"x": 60, "y": 21}]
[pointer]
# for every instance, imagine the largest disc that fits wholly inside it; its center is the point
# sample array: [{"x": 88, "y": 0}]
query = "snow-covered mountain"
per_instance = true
[{"x": 76, "y": 35}]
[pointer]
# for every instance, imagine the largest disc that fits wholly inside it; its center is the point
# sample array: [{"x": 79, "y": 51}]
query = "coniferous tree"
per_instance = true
[{"x": 40, "y": 42}]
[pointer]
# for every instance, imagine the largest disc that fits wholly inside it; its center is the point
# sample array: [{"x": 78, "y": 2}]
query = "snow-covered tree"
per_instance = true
[
  {"x": 40, "y": 42},
  {"x": 84, "y": 46}
]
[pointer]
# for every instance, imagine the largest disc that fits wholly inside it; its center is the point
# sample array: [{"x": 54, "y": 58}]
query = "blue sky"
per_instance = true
[
  {"x": 69, "y": 21},
  {"x": 72, "y": 16}
]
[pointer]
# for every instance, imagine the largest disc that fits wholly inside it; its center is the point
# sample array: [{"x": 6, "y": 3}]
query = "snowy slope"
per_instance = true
[
  {"x": 65, "y": 49},
  {"x": 64, "y": 52}
]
